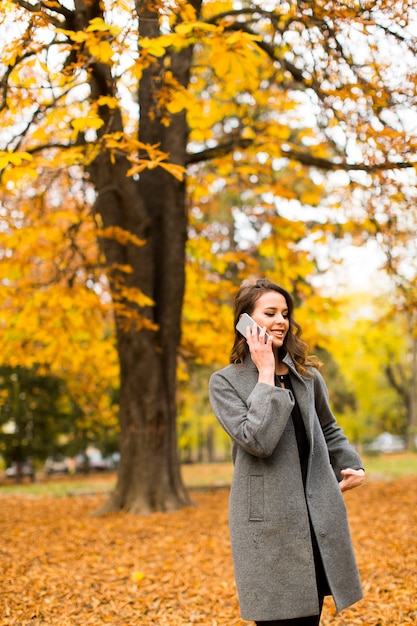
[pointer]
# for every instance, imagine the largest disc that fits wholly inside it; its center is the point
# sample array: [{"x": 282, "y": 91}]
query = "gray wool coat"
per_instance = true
[{"x": 269, "y": 510}]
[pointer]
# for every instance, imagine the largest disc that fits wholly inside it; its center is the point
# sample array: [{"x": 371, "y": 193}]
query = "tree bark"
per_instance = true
[
  {"x": 411, "y": 437},
  {"x": 153, "y": 209}
]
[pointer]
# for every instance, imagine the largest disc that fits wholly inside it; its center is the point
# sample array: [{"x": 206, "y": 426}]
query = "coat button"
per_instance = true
[
  {"x": 310, "y": 495},
  {"x": 322, "y": 533}
]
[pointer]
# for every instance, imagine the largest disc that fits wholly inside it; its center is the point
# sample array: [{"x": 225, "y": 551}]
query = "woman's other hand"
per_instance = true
[{"x": 351, "y": 478}]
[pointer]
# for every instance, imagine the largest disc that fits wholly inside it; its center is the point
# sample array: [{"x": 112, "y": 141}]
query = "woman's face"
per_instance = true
[{"x": 271, "y": 310}]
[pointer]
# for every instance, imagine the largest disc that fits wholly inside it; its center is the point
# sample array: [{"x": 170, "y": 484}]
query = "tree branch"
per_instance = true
[
  {"x": 400, "y": 389},
  {"x": 326, "y": 164},
  {"x": 232, "y": 143},
  {"x": 43, "y": 6},
  {"x": 222, "y": 149}
]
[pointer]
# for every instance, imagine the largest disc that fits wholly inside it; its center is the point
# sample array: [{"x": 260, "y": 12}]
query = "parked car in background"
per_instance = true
[
  {"x": 93, "y": 461},
  {"x": 386, "y": 443},
  {"x": 57, "y": 464},
  {"x": 114, "y": 460},
  {"x": 96, "y": 463},
  {"x": 26, "y": 469}
]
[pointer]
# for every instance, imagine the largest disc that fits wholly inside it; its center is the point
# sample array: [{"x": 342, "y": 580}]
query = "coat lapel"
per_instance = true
[{"x": 303, "y": 390}]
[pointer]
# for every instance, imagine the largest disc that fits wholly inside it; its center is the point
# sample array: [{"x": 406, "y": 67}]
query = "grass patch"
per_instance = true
[
  {"x": 207, "y": 474},
  {"x": 391, "y": 466},
  {"x": 59, "y": 486},
  {"x": 195, "y": 476}
]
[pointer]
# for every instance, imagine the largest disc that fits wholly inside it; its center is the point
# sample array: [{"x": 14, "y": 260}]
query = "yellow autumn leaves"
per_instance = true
[
  {"x": 95, "y": 38},
  {"x": 55, "y": 314},
  {"x": 13, "y": 158}
]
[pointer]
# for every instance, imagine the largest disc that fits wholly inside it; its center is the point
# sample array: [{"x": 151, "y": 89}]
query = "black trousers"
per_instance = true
[
  {"x": 299, "y": 621},
  {"x": 312, "y": 620}
]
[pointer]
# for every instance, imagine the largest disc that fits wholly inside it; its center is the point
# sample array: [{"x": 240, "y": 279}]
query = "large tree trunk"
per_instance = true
[
  {"x": 149, "y": 474},
  {"x": 153, "y": 209}
]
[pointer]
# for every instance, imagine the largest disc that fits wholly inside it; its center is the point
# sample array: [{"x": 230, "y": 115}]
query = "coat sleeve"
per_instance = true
[
  {"x": 255, "y": 423},
  {"x": 342, "y": 454}
]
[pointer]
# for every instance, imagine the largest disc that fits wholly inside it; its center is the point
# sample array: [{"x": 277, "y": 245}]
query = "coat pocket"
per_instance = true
[{"x": 256, "y": 498}]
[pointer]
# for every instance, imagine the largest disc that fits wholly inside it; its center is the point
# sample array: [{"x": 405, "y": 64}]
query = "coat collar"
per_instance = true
[{"x": 287, "y": 360}]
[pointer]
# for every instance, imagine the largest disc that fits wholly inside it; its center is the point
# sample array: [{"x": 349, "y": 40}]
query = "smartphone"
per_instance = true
[{"x": 245, "y": 321}]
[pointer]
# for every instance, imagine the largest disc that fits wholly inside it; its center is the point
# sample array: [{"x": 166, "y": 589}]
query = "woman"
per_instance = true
[{"x": 290, "y": 537}]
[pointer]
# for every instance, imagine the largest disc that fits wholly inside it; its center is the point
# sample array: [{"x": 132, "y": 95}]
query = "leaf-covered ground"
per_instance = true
[{"x": 60, "y": 565}]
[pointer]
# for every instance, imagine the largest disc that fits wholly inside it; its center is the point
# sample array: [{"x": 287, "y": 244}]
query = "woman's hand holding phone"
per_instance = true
[{"x": 260, "y": 346}]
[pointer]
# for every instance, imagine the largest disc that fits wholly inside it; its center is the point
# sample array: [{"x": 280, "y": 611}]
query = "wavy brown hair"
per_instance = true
[{"x": 245, "y": 302}]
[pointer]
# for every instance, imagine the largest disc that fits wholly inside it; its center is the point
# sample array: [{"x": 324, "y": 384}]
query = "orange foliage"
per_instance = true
[
  {"x": 61, "y": 566},
  {"x": 55, "y": 311},
  {"x": 254, "y": 89}
]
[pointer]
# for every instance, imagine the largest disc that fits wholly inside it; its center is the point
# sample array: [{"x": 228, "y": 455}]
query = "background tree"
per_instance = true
[
  {"x": 134, "y": 97},
  {"x": 56, "y": 320},
  {"x": 397, "y": 239},
  {"x": 371, "y": 345},
  {"x": 35, "y": 411}
]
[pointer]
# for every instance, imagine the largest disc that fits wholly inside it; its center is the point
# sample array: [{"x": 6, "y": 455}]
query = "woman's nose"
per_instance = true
[{"x": 279, "y": 318}]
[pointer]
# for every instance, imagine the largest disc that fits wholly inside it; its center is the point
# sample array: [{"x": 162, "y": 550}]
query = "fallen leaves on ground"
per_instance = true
[{"x": 62, "y": 566}]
